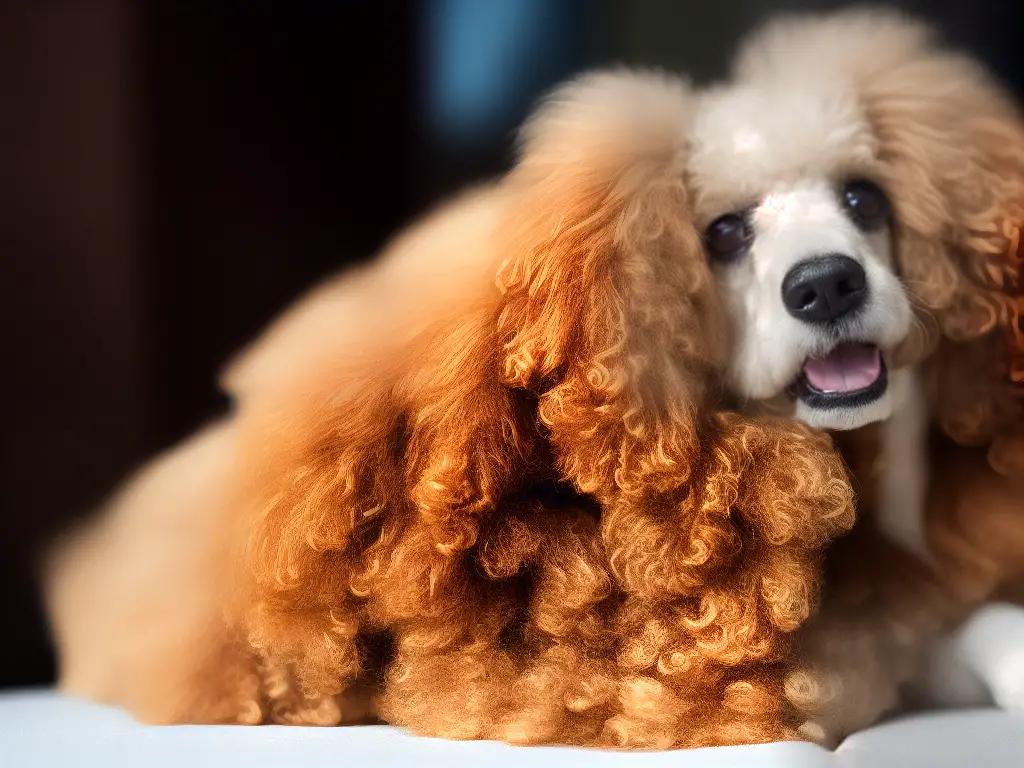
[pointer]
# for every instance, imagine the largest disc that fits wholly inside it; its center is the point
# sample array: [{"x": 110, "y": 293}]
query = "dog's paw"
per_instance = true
[
  {"x": 991, "y": 643},
  {"x": 1007, "y": 682}
]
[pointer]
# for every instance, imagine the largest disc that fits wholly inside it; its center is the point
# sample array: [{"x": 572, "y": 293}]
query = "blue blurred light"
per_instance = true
[{"x": 487, "y": 59}]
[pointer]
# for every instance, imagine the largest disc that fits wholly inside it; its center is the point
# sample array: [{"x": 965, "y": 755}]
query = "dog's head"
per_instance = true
[
  {"x": 799, "y": 231},
  {"x": 793, "y": 239},
  {"x": 852, "y": 182}
]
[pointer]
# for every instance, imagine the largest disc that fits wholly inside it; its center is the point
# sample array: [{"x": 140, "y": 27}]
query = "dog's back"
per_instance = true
[{"x": 136, "y": 596}]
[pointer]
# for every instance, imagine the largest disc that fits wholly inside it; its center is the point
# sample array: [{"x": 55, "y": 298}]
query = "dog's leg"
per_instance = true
[
  {"x": 861, "y": 649},
  {"x": 853, "y": 669},
  {"x": 286, "y": 703},
  {"x": 524, "y": 653},
  {"x": 878, "y": 618},
  {"x": 446, "y": 620},
  {"x": 978, "y": 535},
  {"x": 449, "y": 672}
]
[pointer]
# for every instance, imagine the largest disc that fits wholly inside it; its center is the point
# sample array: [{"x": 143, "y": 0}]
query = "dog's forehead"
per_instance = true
[{"x": 748, "y": 140}]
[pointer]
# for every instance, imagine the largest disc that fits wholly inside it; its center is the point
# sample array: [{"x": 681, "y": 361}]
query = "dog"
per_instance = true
[
  {"x": 555, "y": 467},
  {"x": 436, "y": 464}
]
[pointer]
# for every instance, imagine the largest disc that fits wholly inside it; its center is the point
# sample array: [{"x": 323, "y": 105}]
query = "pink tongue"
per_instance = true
[{"x": 846, "y": 368}]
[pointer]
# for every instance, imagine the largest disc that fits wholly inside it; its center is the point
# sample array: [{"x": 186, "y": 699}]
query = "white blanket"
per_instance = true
[{"x": 41, "y": 729}]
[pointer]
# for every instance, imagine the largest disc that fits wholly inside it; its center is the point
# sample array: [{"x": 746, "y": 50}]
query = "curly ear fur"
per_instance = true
[
  {"x": 610, "y": 313},
  {"x": 951, "y": 149},
  {"x": 609, "y": 306},
  {"x": 607, "y": 295},
  {"x": 368, "y": 470}
]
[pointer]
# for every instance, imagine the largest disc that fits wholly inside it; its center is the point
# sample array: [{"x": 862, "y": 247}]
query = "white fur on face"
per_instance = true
[
  {"x": 903, "y": 486},
  {"x": 787, "y": 161}
]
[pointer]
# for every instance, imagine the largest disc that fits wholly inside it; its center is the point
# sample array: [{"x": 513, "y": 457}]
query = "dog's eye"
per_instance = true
[
  {"x": 867, "y": 203},
  {"x": 729, "y": 236}
]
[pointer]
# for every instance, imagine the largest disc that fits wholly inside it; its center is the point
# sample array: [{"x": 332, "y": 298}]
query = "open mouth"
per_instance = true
[{"x": 849, "y": 376}]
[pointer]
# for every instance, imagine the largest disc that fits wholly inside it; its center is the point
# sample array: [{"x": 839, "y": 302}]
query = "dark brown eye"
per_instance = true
[
  {"x": 729, "y": 236},
  {"x": 867, "y": 204}
]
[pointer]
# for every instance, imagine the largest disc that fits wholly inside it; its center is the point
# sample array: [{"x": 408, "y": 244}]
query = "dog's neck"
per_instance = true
[{"x": 889, "y": 465}]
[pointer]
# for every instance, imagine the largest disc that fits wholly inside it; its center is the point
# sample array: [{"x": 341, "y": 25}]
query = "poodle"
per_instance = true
[
  {"x": 570, "y": 461},
  {"x": 480, "y": 487}
]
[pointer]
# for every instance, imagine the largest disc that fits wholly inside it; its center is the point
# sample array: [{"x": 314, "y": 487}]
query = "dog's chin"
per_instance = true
[
  {"x": 846, "y": 389},
  {"x": 846, "y": 417}
]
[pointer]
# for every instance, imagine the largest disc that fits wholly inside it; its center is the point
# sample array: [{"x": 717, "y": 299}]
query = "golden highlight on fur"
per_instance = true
[{"x": 492, "y": 485}]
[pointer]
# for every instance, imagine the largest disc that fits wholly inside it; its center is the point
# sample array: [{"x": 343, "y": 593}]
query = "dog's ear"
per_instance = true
[
  {"x": 951, "y": 150},
  {"x": 609, "y": 309},
  {"x": 610, "y": 313}
]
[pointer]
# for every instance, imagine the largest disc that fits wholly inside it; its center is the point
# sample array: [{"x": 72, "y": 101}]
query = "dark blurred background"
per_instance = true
[{"x": 173, "y": 173}]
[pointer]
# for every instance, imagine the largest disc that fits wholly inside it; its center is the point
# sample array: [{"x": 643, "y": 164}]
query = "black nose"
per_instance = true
[{"x": 824, "y": 288}]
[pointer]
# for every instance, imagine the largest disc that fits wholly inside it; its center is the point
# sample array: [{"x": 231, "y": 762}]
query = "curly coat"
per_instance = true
[
  {"x": 490, "y": 486},
  {"x": 417, "y": 455}
]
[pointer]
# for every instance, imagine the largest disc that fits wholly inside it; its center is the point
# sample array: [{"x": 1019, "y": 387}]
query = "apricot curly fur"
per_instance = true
[
  {"x": 628, "y": 419},
  {"x": 489, "y": 487},
  {"x": 467, "y": 495}
]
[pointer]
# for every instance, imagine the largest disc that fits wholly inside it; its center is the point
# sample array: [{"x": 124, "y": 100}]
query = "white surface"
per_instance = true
[
  {"x": 991, "y": 644},
  {"x": 43, "y": 729}
]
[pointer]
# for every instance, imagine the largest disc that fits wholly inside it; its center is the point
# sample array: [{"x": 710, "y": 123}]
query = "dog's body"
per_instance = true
[
  {"x": 560, "y": 683},
  {"x": 541, "y": 461}
]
